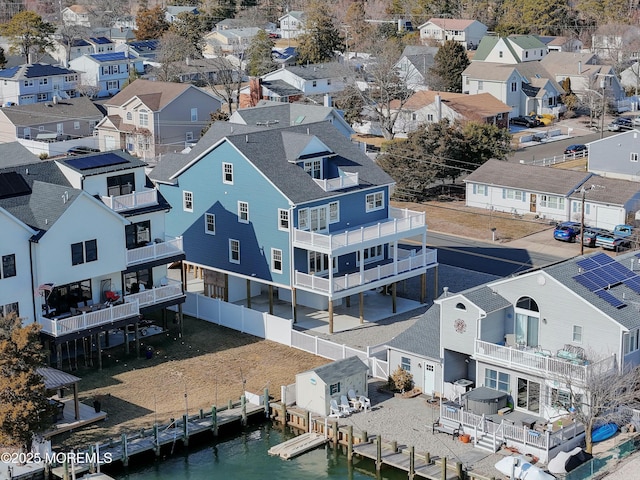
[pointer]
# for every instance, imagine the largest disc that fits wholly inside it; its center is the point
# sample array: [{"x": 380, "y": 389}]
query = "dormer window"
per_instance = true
[{"x": 313, "y": 168}]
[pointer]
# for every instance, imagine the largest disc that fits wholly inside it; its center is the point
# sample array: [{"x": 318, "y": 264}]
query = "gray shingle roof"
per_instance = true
[
  {"x": 486, "y": 299},
  {"x": 281, "y": 87},
  {"x": 269, "y": 150},
  {"x": 80, "y": 108},
  {"x": 611, "y": 191},
  {"x": 528, "y": 177},
  {"x": 336, "y": 371},
  {"x": 14, "y": 153},
  {"x": 317, "y": 71},
  {"x": 280, "y": 113},
  {"x": 423, "y": 337}
]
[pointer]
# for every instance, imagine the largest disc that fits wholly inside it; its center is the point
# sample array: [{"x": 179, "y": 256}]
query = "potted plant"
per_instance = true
[{"x": 97, "y": 403}]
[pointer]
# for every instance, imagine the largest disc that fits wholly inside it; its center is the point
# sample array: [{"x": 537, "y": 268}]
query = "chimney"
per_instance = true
[
  {"x": 328, "y": 101},
  {"x": 438, "y": 102},
  {"x": 579, "y": 68}
]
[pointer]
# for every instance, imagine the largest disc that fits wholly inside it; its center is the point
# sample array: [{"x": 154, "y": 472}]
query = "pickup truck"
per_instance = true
[{"x": 619, "y": 237}]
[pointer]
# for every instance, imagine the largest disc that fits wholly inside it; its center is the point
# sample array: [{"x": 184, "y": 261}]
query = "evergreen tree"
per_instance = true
[
  {"x": 259, "y": 58},
  {"x": 321, "y": 38},
  {"x": 151, "y": 23},
  {"x": 27, "y": 32},
  {"x": 542, "y": 17},
  {"x": 3, "y": 59},
  {"x": 190, "y": 27},
  {"x": 24, "y": 408},
  {"x": 359, "y": 33},
  {"x": 449, "y": 63}
]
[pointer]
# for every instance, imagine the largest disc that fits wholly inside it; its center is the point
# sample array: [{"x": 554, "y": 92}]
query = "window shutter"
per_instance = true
[
  {"x": 524, "y": 196},
  {"x": 504, "y": 193},
  {"x": 474, "y": 188}
]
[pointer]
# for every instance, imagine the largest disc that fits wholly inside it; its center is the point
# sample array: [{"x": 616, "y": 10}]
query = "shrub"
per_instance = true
[
  {"x": 401, "y": 379},
  {"x": 43, "y": 156}
]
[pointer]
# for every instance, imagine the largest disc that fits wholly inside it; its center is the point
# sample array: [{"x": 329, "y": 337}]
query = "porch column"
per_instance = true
[
  {"x": 361, "y": 254},
  {"x": 395, "y": 259},
  {"x": 99, "y": 348},
  {"x": 294, "y": 305},
  {"x": 424, "y": 249},
  {"x": 248, "y": 293},
  {"x": 348, "y": 301},
  {"x": 183, "y": 275},
  {"x": 180, "y": 318},
  {"x": 126, "y": 339},
  {"x": 226, "y": 287},
  {"x": 435, "y": 282},
  {"x": 270, "y": 299},
  {"x": 137, "y": 337},
  {"x": 59, "y": 356},
  {"x": 330, "y": 273},
  {"x": 330, "y": 316},
  {"x": 423, "y": 287},
  {"x": 361, "y": 294},
  {"x": 76, "y": 402},
  {"x": 394, "y": 298}
]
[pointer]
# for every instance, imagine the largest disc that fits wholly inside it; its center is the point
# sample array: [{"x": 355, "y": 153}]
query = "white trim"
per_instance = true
[
  {"x": 243, "y": 208},
  {"x": 231, "y": 259},
  {"x": 208, "y": 216},
  {"x": 186, "y": 201},
  {"x": 273, "y": 260},
  {"x": 282, "y": 211},
  {"x": 224, "y": 173}
]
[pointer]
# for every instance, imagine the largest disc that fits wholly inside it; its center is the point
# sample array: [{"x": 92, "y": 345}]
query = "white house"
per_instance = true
[
  {"x": 316, "y": 388},
  {"x": 512, "y": 49},
  {"x": 561, "y": 44},
  {"x": 172, "y": 12},
  {"x": 467, "y": 33},
  {"x": 292, "y": 24},
  {"x": 36, "y": 82},
  {"x": 76, "y": 15},
  {"x": 414, "y": 64},
  {"x": 106, "y": 72}
]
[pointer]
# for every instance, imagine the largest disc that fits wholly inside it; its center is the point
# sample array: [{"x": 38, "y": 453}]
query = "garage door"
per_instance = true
[
  {"x": 608, "y": 217},
  {"x": 109, "y": 143}
]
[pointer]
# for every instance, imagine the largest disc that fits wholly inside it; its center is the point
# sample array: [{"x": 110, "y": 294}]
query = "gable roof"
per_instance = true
[
  {"x": 501, "y": 72},
  {"x": 14, "y": 153},
  {"x": 79, "y": 108},
  {"x": 423, "y": 337},
  {"x": 34, "y": 70},
  {"x": 155, "y": 95},
  {"x": 571, "y": 63},
  {"x": 113, "y": 161},
  {"x": 269, "y": 150},
  {"x": 297, "y": 14},
  {"x": 528, "y": 177},
  {"x": 526, "y": 42},
  {"x": 482, "y": 105},
  {"x": 450, "y": 23},
  {"x": 336, "y": 371},
  {"x": 486, "y": 299},
  {"x": 315, "y": 71},
  {"x": 610, "y": 191}
]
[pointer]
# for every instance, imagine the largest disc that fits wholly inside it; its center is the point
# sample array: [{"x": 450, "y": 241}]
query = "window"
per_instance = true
[
  {"x": 283, "y": 219},
  {"x": 187, "y": 201},
  {"x": 429, "y": 117},
  {"x": 526, "y": 54},
  {"x": 210, "y": 223},
  {"x": 84, "y": 252},
  {"x": 527, "y": 322},
  {"x": 8, "y": 267},
  {"x": 303, "y": 219},
  {"x": 334, "y": 388},
  {"x": 371, "y": 254},
  {"x": 513, "y": 194},
  {"x": 514, "y": 86},
  {"x": 480, "y": 189},
  {"x": 276, "y": 260},
  {"x": 44, "y": 81},
  {"x": 129, "y": 116},
  {"x": 189, "y": 137},
  {"x": 375, "y": 201},
  {"x": 42, "y": 97},
  {"x": 576, "y": 207},
  {"x": 552, "y": 202},
  {"x": 234, "y": 250},
  {"x": 28, "y": 83},
  {"x": 313, "y": 168},
  {"x": 314, "y": 83},
  {"x": 9, "y": 308},
  {"x": 500, "y": 54},
  {"x": 114, "y": 85},
  {"x": 577, "y": 333},
  {"x": 143, "y": 118},
  {"x": 227, "y": 173},
  {"x": 194, "y": 114},
  {"x": 76, "y": 125},
  {"x": 243, "y": 212},
  {"x": 528, "y": 395},
  {"x": 460, "y": 306},
  {"x": 120, "y": 184},
  {"x": 328, "y": 81},
  {"x": 334, "y": 212},
  {"x": 480, "y": 85},
  {"x": 133, "y": 280},
  {"x": 496, "y": 380},
  {"x": 318, "y": 219},
  {"x": 634, "y": 157},
  {"x": 405, "y": 363},
  {"x": 319, "y": 263},
  {"x": 138, "y": 234}
]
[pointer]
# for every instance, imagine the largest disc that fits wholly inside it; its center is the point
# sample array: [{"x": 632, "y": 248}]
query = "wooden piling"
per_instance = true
[
  {"x": 214, "y": 421},
  {"x": 350, "y": 443},
  {"x": 284, "y": 414},
  {"x": 334, "y": 431},
  {"x": 125, "y": 453},
  {"x": 444, "y": 468},
  {"x": 394, "y": 446},
  {"x": 459, "y": 471},
  {"x": 230, "y": 404},
  {"x": 185, "y": 430},
  {"x": 307, "y": 420},
  {"x": 427, "y": 458},
  {"x": 156, "y": 440},
  {"x": 243, "y": 403},
  {"x": 378, "y": 453},
  {"x": 266, "y": 403},
  {"x": 412, "y": 463},
  {"x": 92, "y": 466},
  {"x": 201, "y": 414}
]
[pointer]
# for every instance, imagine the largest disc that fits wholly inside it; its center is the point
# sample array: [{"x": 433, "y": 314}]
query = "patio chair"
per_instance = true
[
  {"x": 365, "y": 403},
  {"x": 334, "y": 410},
  {"x": 353, "y": 398},
  {"x": 345, "y": 408}
]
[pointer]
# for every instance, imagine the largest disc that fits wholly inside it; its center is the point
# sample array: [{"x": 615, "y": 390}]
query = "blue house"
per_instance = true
[
  {"x": 299, "y": 210},
  {"x": 107, "y": 73}
]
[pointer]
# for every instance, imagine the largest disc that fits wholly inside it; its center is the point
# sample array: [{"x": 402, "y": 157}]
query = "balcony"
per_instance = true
[
  {"x": 59, "y": 326},
  {"x": 535, "y": 362},
  {"x": 155, "y": 251},
  {"x": 345, "y": 180},
  {"x": 402, "y": 223},
  {"x": 406, "y": 264},
  {"x": 155, "y": 295},
  {"x": 143, "y": 198}
]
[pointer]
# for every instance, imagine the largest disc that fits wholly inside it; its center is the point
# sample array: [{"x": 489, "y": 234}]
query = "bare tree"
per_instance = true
[
  {"x": 68, "y": 34},
  {"x": 173, "y": 50},
  {"x": 223, "y": 75},
  {"x": 605, "y": 394}
]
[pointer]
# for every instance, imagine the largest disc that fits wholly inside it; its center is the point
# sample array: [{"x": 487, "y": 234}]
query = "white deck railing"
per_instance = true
[
  {"x": 132, "y": 200},
  {"x": 155, "y": 295},
  {"x": 352, "y": 280},
  {"x": 155, "y": 251},
  {"x": 401, "y": 221},
  {"x": 346, "y": 180},
  {"x": 531, "y": 361},
  {"x": 77, "y": 323}
]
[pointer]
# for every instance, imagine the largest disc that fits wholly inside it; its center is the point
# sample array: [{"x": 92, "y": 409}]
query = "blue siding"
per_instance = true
[{"x": 211, "y": 195}]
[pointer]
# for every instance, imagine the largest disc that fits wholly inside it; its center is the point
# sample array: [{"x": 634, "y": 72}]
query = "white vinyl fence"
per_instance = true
[{"x": 277, "y": 329}]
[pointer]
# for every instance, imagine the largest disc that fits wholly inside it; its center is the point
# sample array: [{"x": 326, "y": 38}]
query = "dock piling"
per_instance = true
[
  {"x": 266, "y": 403},
  {"x": 459, "y": 470},
  {"x": 125, "y": 453},
  {"x": 350, "y": 444},
  {"x": 378, "y": 452},
  {"x": 185, "y": 430},
  {"x": 156, "y": 440},
  {"x": 214, "y": 420},
  {"x": 412, "y": 463},
  {"x": 307, "y": 420},
  {"x": 444, "y": 468},
  {"x": 243, "y": 403}
]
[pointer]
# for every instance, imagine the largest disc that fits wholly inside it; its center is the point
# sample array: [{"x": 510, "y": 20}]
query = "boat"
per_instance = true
[
  {"x": 518, "y": 467},
  {"x": 564, "y": 462},
  {"x": 603, "y": 432}
]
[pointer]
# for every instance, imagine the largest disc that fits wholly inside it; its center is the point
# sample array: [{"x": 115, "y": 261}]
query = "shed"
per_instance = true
[{"x": 316, "y": 388}]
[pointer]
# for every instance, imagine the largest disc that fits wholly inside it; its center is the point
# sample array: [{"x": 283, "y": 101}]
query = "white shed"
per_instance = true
[{"x": 316, "y": 388}]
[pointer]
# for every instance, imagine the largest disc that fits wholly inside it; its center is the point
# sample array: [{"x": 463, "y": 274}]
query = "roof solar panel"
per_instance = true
[
  {"x": 96, "y": 161},
  {"x": 12, "y": 184},
  {"x": 587, "y": 264},
  {"x": 633, "y": 284},
  {"x": 605, "y": 295},
  {"x": 608, "y": 277},
  {"x": 623, "y": 271},
  {"x": 586, "y": 282},
  {"x": 602, "y": 259}
]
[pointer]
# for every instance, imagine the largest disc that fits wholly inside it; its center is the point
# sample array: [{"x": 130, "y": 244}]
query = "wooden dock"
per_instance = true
[
  {"x": 298, "y": 445},
  {"x": 406, "y": 461},
  {"x": 167, "y": 435}
]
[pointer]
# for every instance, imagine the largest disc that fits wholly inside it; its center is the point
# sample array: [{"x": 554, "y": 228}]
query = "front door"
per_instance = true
[
  {"x": 532, "y": 203},
  {"x": 429, "y": 379}
]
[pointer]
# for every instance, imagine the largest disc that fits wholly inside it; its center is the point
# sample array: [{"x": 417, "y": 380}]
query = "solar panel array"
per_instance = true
[
  {"x": 12, "y": 184},
  {"x": 96, "y": 161},
  {"x": 600, "y": 272}
]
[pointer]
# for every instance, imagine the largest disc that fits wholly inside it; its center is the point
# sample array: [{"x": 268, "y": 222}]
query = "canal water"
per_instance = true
[{"x": 245, "y": 457}]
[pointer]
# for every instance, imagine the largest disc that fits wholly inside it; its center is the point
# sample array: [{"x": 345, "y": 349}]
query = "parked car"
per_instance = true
[
  {"x": 609, "y": 241},
  {"x": 525, "y": 121},
  {"x": 589, "y": 235},
  {"x": 546, "y": 119},
  {"x": 636, "y": 121},
  {"x": 274, "y": 35},
  {"x": 575, "y": 148},
  {"x": 620, "y": 123},
  {"x": 81, "y": 150},
  {"x": 567, "y": 231}
]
